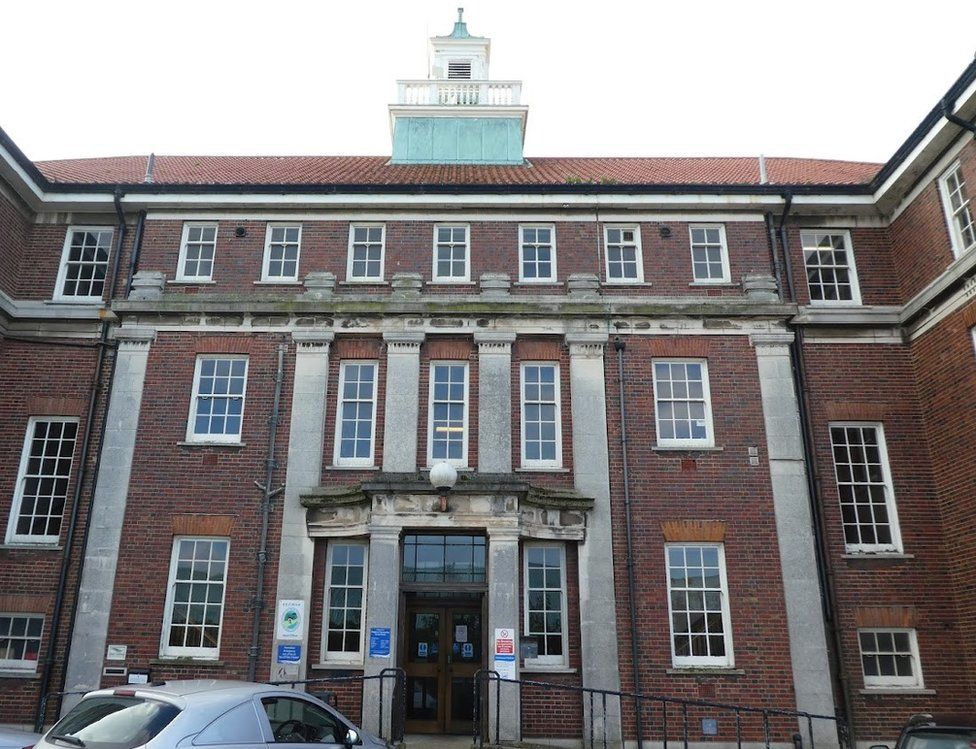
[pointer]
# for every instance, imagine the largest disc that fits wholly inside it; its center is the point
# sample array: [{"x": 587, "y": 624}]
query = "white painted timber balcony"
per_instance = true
[{"x": 455, "y": 93}]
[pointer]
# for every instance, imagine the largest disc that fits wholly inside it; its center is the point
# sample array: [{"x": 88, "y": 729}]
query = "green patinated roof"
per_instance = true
[{"x": 460, "y": 29}]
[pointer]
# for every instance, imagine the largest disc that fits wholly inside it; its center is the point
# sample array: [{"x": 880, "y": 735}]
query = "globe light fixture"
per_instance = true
[{"x": 443, "y": 477}]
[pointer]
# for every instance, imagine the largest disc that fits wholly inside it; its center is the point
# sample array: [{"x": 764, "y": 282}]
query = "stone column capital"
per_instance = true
[
  {"x": 494, "y": 342},
  {"x": 771, "y": 340},
  {"x": 313, "y": 341},
  {"x": 134, "y": 338},
  {"x": 403, "y": 341},
  {"x": 587, "y": 345}
]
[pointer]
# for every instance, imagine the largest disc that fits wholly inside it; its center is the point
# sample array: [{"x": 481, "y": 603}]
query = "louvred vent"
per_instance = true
[{"x": 459, "y": 69}]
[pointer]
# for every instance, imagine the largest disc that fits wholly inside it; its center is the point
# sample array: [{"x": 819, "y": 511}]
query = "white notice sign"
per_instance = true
[
  {"x": 460, "y": 633},
  {"x": 503, "y": 660},
  {"x": 291, "y": 620}
]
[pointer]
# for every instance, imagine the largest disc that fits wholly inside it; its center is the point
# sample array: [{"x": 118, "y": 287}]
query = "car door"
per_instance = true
[{"x": 297, "y": 722}]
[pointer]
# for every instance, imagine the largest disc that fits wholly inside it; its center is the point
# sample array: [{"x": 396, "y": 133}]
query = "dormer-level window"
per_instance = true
[
  {"x": 459, "y": 70},
  {"x": 959, "y": 212},
  {"x": 84, "y": 264},
  {"x": 831, "y": 275}
]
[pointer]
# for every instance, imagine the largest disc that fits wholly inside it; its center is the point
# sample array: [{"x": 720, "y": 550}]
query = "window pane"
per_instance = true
[
  {"x": 345, "y": 596},
  {"x": 697, "y": 601}
]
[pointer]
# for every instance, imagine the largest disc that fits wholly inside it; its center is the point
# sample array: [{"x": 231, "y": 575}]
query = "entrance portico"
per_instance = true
[{"x": 423, "y": 601}]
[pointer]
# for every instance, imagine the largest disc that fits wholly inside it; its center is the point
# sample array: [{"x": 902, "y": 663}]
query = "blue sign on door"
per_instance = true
[{"x": 379, "y": 642}]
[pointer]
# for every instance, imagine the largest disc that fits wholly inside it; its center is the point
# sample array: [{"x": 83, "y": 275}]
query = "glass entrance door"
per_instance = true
[{"x": 444, "y": 649}]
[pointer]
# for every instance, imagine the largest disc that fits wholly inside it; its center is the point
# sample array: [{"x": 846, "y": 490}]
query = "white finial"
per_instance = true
[{"x": 460, "y": 14}]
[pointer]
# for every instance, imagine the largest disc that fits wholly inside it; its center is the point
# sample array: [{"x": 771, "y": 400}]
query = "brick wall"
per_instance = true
[
  {"x": 920, "y": 246},
  {"x": 14, "y": 229},
  {"x": 715, "y": 485},
  {"x": 170, "y": 478},
  {"x": 875, "y": 383},
  {"x": 494, "y": 248}
]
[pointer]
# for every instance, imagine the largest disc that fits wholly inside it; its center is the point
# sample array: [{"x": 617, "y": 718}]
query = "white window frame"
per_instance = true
[
  {"x": 639, "y": 255},
  {"x": 191, "y": 435},
  {"x": 463, "y": 461},
  {"x": 699, "y": 661},
  {"x": 726, "y": 273},
  {"x": 915, "y": 681},
  {"x": 558, "y": 461},
  {"x": 165, "y": 649},
  {"x": 59, "y": 294},
  {"x": 336, "y": 656},
  {"x": 23, "y": 665},
  {"x": 435, "y": 278},
  {"x": 265, "y": 278},
  {"x": 955, "y": 230},
  {"x": 855, "y": 299},
  {"x": 546, "y": 660},
  {"x": 12, "y": 536},
  {"x": 340, "y": 400},
  {"x": 184, "y": 240},
  {"x": 521, "y": 237},
  {"x": 709, "y": 439},
  {"x": 889, "y": 488},
  {"x": 350, "y": 278}
]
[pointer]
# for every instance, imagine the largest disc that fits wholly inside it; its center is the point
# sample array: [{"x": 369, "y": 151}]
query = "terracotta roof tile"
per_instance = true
[{"x": 375, "y": 170}]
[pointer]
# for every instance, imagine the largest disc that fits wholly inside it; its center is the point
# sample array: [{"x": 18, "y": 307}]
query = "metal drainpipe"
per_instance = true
[
  {"x": 777, "y": 265},
  {"x": 103, "y": 344},
  {"x": 269, "y": 466},
  {"x": 136, "y": 251},
  {"x": 619, "y": 347},
  {"x": 947, "y": 107},
  {"x": 824, "y": 568}
]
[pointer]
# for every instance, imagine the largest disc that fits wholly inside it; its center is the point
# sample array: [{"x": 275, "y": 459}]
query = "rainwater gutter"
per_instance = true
[
  {"x": 93, "y": 400},
  {"x": 258, "y": 603},
  {"x": 619, "y": 347},
  {"x": 824, "y": 569},
  {"x": 947, "y": 106}
]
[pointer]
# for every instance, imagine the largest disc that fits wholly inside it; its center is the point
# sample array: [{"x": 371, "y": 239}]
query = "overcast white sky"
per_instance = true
[{"x": 822, "y": 78}]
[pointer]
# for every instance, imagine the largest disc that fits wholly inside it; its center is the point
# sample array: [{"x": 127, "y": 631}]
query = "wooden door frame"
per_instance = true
[{"x": 445, "y": 607}]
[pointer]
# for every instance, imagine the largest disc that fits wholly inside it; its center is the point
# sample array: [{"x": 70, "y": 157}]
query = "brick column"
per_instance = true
[
  {"x": 791, "y": 503},
  {"x": 402, "y": 401},
  {"x": 94, "y": 606},
  {"x": 591, "y": 464},
  {"x": 304, "y": 471},
  {"x": 494, "y": 401}
]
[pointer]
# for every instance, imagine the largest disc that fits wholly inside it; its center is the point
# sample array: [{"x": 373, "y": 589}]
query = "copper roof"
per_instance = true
[{"x": 376, "y": 170}]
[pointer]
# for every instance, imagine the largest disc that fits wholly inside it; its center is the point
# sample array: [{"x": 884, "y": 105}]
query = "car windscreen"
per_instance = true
[
  {"x": 940, "y": 739},
  {"x": 112, "y": 722}
]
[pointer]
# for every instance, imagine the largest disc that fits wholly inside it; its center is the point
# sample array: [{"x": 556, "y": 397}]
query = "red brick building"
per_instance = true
[{"x": 709, "y": 418}]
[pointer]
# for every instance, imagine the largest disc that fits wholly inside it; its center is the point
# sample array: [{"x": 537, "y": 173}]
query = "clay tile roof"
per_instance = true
[{"x": 375, "y": 170}]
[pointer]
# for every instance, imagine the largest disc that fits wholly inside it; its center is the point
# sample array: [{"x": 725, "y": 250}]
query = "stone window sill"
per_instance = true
[
  {"x": 195, "y": 662},
  {"x": 450, "y": 282},
  {"x": 895, "y": 691},
  {"x": 203, "y": 443},
  {"x": 551, "y": 284},
  {"x": 687, "y": 448},
  {"x": 365, "y": 282},
  {"x": 531, "y": 469},
  {"x": 715, "y": 284},
  {"x": 30, "y": 547},
  {"x": 338, "y": 666},
  {"x": 82, "y": 302},
  {"x": 188, "y": 282},
  {"x": 541, "y": 668},
  {"x": 352, "y": 468},
  {"x": 705, "y": 671},
  {"x": 12, "y": 673},
  {"x": 867, "y": 556},
  {"x": 624, "y": 284},
  {"x": 288, "y": 282}
]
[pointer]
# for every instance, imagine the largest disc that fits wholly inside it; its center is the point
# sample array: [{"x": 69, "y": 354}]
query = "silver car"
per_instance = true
[
  {"x": 203, "y": 713},
  {"x": 11, "y": 738}
]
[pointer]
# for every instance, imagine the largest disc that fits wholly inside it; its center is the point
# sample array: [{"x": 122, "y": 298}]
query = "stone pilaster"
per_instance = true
[
  {"x": 494, "y": 401},
  {"x": 794, "y": 529},
  {"x": 503, "y": 612},
  {"x": 591, "y": 466},
  {"x": 94, "y": 607},
  {"x": 304, "y": 471},
  {"x": 382, "y": 605},
  {"x": 402, "y": 401}
]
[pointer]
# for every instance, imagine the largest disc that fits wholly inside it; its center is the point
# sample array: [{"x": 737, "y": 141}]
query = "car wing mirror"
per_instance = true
[
  {"x": 352, "y": 737},
  {"x": 879, "y": 746}
]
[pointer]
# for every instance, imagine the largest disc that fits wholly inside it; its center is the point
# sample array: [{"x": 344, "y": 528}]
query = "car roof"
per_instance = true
[
  {"x": 942, "y": 720},
  {"x": 217, "y": 688}
]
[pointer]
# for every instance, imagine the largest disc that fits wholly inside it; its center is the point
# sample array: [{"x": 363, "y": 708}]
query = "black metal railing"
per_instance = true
[
  {"x": 42, "y": 708},
  {"x": 398, "y": 702},
  {"x": 670, "y": 726}
]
